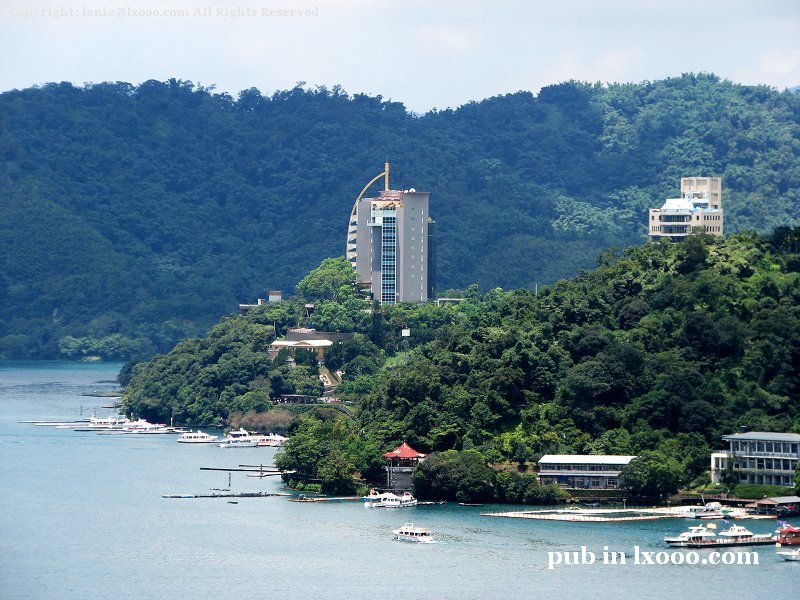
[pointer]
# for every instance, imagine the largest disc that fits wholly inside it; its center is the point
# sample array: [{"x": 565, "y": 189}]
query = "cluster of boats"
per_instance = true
[
  {"x": 705, "y": 536},
  {"x": 240, "y": 438},
  {"x": 112, "y": 424}
]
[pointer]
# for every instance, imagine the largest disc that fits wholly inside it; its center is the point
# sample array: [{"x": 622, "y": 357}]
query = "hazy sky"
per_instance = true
[{"x": 425, "y": 54}]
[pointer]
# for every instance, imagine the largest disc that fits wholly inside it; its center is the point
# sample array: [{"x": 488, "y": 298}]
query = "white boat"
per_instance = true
[
  {"x": 270, "y": 439},
  {"x": 793, "y": 554},
  {"x": 374, "y": 499},
  {"x": 409, "y": 533},
  {"x": 698, "y": 533},
  {"x": 144, "y": 426},
  {"x": 239, "y": 439},
  {"x": 196, "y": 437},
  {"x": 389, "y": 500},
  {"x": 738, "y": 533},
  {"x": 100, "y": 423}
]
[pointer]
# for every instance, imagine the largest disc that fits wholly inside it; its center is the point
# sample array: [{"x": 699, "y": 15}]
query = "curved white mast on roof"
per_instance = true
[{"x": 352, "y": 250}]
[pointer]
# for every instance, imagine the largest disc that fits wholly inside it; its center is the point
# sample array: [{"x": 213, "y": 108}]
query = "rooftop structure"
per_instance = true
[{"x": 698, "y": 210}]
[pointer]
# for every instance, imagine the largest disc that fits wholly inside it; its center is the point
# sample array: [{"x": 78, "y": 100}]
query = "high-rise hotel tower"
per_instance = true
[{"x": 390, "y": 243}]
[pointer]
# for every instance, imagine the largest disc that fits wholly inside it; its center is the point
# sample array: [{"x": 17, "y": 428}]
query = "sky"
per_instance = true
[{"x": 425, "y": 54}]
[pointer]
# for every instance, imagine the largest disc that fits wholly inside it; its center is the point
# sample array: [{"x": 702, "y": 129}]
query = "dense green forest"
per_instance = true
[
  {"x": 133, "y": 217},
  {"x": 661, "y": 350}
]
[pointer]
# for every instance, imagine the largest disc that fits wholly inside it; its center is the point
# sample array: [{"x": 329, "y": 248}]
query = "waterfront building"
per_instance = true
[
  {"x": 390, "y": 243},
  {"x": 402, "y": 462},
  {"x": 698, "y": 210},
  {"x": 583, "y": 471},
  {"x": 761, "y": 457}
]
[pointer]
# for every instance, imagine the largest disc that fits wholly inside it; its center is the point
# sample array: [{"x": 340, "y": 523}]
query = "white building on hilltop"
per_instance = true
[{"x": 698, "y": 210}]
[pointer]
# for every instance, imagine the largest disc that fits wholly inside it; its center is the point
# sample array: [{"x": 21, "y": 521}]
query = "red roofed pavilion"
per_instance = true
[
  {"x": 402, "y": 462},
  {"x": 404, "y": 451}
]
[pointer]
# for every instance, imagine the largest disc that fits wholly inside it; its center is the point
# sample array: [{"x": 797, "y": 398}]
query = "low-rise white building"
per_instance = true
[{"x": 583, "y": 471}]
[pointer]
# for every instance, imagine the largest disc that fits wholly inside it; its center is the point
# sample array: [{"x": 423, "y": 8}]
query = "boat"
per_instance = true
[
  {"x": 245, "y": 439},
  {"x": 270, "y": 440},
  {"x": 735, "y": 535},
  {"x": 793, "y": 554},
  {"x": 410, "y": 533},
  {"x": 698, "y": 533},
  {"x": 389, "y": 500},
  {"x": 238, "y": 439},
  {"x": 740, "y": 534},
  {"x": 113, "y": 422},
  {"x": 144, "y": 426},
  {"x": 788, "y": 535},
  {"x": 394, "y": 501},
  {"x": 196, "y": 437}
]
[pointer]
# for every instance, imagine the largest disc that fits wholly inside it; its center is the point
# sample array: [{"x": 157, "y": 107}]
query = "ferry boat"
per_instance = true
[
  {"x": 114, "y": 422},
  {"x": 270, "y": 440},
  {"x": 144, "y": 426},
  {"x": 698, "y": 533},
  {"x": 788, "y": 535},
  {"x": 196, "y": 437},
  {"x": 389, "y": 500},
  {"x": 735, "y": 535},
  {"x": 238, "y": 439},
  {"x": 409, "y": 533}
]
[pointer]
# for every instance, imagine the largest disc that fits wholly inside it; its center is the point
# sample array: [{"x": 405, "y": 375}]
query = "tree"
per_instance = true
[
  {"x": 452, "y": 475},
  {"x": 333, "y": 278},
  {"x": 651, "y": 475}
]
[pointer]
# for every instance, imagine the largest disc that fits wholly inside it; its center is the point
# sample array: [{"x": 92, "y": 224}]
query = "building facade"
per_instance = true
[
  {"x": 390, "y": 243},
  {"x": 698, "y": 210},
  {"x": 760, "y": 457},
  {"x": 583, "y": 471}
]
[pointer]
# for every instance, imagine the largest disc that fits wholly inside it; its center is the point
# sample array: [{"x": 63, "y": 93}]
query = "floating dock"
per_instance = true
[
  {"x": 227, "y": 495},
  {"x": 602, "y": 515}
]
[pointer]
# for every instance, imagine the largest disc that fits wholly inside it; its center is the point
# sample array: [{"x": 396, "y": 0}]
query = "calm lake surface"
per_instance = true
[{"x": 81, "y": 516}]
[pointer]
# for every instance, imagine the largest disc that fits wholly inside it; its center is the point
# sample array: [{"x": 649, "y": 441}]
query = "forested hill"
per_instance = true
[
  {"x": 133, "y": 216},
  {"x": 663, "y": 348}
]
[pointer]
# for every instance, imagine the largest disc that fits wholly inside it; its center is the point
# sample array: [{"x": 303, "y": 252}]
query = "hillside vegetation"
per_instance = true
[
  {"x": 131, "y": 217},
  {"x": 663, "y": 348}
]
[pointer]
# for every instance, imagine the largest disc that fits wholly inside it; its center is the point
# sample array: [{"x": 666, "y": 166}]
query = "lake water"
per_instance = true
[{"x": 81, "y": 516}]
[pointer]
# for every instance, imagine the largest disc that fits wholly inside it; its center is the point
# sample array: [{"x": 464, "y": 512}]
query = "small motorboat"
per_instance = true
[{"x": 793, "y": 554}]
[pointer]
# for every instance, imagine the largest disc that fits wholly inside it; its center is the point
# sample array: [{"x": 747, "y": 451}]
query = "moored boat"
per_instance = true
[
  {"x": 698, "y": 533},
  {"x": 270, "y": 440},
  {"x": 410, "y": 533},
  {"x": 735, "y": 535},
  {"x": 238, "y": 439},
  {"x": 196, "y": 437},
  {"x": 389, "y": 500}
]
